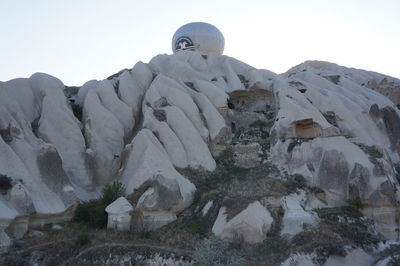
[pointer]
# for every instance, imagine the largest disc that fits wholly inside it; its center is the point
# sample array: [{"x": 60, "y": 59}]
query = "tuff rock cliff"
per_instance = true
[{"x": 310, "y": 139}]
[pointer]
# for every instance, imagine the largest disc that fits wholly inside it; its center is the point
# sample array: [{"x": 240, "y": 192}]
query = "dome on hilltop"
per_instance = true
[{"x": 198, "y": 36}]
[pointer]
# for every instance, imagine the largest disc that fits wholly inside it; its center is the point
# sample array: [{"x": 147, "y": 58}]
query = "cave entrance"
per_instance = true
[{"x": 305, "y": 128}]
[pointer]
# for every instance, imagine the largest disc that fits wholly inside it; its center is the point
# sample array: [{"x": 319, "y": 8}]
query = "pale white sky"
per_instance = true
[{"x": 79, "y": 40}]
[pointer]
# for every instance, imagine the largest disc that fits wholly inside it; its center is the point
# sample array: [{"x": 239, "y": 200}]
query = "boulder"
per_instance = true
[
  {"x": 163, "y": 194},
  {"x": 119, "y": 214},
  {"x": 167, "y": 193},
  {"x": 250, "y": 225},
  {"x": 296, "y": 218},
  {"x": 148, "y": 221}
]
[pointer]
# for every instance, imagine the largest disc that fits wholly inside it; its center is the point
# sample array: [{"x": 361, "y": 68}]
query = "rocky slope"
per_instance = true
[
  {"x": 248, "y": 154},
  {"x": 386, "y": 85}
]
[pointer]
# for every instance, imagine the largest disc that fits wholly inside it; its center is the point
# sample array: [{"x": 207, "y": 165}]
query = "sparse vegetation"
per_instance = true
[
  {"x": 196, "y": 227},
  {"x": 160, "y": 115},
  {"x": 243, "y": 80},
  {"x": 394, "y": 261},
  {"x": 83, "y": 237},
  {"x": 93, "y": 212},
  {"x": 212, "y": 252},
  {"x": 397, "y": 171},
  {"x": 299, "y": 180},
  {"x": 293, "y": 144},
  {"x": 355, "y": 204},
  {"x": 5, "y": 183},
  {"x": 270, "y": 115},
  {"x": 259, "y": 124}
]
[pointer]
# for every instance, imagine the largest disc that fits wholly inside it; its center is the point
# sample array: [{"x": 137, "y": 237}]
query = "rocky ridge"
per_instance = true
[{"x": 278, "y": 148}]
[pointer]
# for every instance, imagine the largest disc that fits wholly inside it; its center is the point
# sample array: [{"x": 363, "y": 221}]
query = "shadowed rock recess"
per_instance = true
[{"x": 302, "y": 167}]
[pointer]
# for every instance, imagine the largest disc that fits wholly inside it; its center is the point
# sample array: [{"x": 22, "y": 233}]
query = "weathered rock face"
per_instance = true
[
  {"x": 144, "y": 126},
  {"x": 385, "y": 85},
  {"x": 42, "y": 160},
  {"x": 250, "y": 225},
  {"x": 341, "y": 137},
  {"x": 389, "y": 121}
]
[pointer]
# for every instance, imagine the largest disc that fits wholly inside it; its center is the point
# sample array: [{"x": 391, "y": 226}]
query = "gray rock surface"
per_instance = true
[{"x": 146, "y": 125}]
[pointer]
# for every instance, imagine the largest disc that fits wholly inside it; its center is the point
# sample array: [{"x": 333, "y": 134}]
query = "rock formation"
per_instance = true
[
  {"x": 320, "y": 125},
  {"x": 119, "y": 215}
]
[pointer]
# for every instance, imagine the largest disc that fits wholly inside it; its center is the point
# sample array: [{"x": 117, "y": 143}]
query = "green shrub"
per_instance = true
[
  {"x": 355, "y": 204},
  {"x": 112, "y": 191},
  {"x": 93, "y": 212},
  {"x": 299, "y": 180},
  {"x": 270, "y": 115},
  {"x": 83, "y": 239},
  {"x": 198, "y": 229}
]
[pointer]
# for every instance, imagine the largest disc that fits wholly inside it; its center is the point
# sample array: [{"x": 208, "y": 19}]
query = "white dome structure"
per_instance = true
[{"x": 198, "y": 36}]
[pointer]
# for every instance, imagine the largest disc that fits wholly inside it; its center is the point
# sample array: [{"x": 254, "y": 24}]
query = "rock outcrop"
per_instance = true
[
  {"x": 314, "y": 137},
  {"x": 385, "y": 85},
  {"x": 250, "y": 225},
  {"x": 119, "y": 214},
  {"x": 349, "y": 146}
]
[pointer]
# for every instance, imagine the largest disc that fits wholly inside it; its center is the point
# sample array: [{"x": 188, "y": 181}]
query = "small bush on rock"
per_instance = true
[
  {"x": 299, "y": 180},
  {"x": 355, "y": 204},
  {"x": 93, "y": 212},
  {"x": 112, "y": 191}
]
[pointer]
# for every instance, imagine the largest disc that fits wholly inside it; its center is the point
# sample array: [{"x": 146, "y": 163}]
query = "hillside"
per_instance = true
[{"x": 301, "y": 167}]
